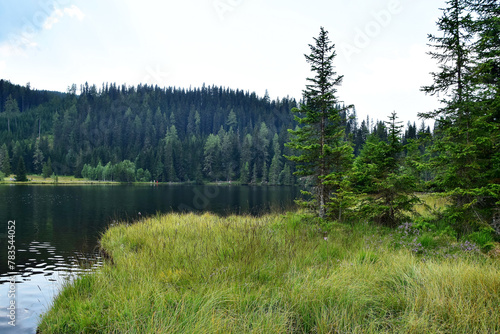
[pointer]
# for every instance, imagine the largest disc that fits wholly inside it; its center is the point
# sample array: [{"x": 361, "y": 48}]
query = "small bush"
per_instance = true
[{"x": 484, "y": 238}]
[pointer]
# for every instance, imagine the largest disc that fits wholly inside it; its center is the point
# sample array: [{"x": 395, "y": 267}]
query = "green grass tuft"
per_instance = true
[{"x": 274, "y": 274}]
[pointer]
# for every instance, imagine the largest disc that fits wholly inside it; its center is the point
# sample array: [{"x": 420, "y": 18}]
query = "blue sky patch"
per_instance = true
[{"x": 27, "y": 16}]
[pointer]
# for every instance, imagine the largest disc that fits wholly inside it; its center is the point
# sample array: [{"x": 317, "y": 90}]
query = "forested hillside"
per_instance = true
[
  {"x": 149, "y": 133},
  {"x": 207, "y": 133}
]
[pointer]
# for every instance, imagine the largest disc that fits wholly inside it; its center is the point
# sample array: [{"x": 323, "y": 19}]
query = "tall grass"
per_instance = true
[{"x": 273, "y": 274}]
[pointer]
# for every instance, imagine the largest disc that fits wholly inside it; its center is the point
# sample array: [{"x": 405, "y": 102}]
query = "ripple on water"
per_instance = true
[{"x": 40, "y": 277}]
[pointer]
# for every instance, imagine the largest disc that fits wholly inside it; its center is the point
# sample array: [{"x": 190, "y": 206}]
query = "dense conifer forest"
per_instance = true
[{"x": 150, "y": 133}]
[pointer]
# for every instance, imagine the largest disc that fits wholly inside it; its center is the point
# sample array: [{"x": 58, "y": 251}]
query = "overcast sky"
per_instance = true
[{"x": 252, "y": 45}]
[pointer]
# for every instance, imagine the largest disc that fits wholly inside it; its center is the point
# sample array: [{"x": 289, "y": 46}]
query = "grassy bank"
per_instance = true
[
  {"x": 64, "y": 180},
  {"x": 276, "y": 274},
  {"x": 71, "y": 180}
]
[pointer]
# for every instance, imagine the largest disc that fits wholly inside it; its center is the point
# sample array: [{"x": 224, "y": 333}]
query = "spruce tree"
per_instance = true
[
  {"x": 467, "y": 127},
  {"x": 322, "y": 154},
  {"x": 381, "y": 174},
  {"x": 229, "y": 154},
  {"x": 212, "y": 157},
  {"x": 171, "y": 143},
  {"x": 276, "y": 166},
  {"x": 38, "y": 158},
  {"x": 486, "y": 83},
  {"x": 254, "y": 173},
  {"x": 246, "y": 158},
  {"x": 286, "y": 177},
  {"x": 47, "y": 169},
  {"x": 11, "y": 110},
  {"x": 21, "y": 171},
  {"x": 486, "y": 46},
  {"x": 453, "y": 54},
  {"x": 245, "y": 174},
  {"x": 5, "y": 160},
  {"x": 265, "y": 173}
]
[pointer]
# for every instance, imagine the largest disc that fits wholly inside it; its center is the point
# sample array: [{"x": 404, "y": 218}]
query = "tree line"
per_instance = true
[
  {"x": 167, "y": 134},
  {"x": 460, "y": 159}
]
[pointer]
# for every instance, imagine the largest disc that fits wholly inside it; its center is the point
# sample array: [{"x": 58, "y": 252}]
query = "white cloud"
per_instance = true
[
  {"x": 17, "y": 45},
  {"x": 74, "y": 11},
  {"x": 58, "y": 14},
  {"x": 52, "y": 19},
  {"x": 20, "y": 42}
]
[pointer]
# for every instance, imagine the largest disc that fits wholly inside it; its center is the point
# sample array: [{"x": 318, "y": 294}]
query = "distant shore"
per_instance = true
[
  {"x": 38, "y": 179},
  {"x": 71, "y": 180}
]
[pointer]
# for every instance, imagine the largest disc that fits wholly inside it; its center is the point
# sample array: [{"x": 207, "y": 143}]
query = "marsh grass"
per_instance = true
[
  {"x": 61, "y": 180},
  {"x": 273, "y": 274}
]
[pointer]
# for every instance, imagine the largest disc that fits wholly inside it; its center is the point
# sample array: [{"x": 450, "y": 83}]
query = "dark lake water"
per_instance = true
[{"x": 57, "y": 228}]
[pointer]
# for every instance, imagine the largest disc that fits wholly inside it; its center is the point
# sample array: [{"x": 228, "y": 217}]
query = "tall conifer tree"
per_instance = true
[
  {"x": 5, "y": 160},
  {"x": 467, "y": 128},
  {"x": 322, "y": 152},
  {"x": 21, "y": 171}
]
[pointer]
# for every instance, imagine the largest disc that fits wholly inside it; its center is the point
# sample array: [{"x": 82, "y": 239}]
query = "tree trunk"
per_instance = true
[
  {"x": 322, "y": 200},
  {"x": 322, "y": 193}
]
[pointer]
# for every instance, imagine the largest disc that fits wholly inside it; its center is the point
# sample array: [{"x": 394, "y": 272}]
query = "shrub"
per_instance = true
[{"x": 484, "y": 238}]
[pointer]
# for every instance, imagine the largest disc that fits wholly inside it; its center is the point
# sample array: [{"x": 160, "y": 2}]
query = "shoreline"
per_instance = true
[{"x": 70, "y": 180}]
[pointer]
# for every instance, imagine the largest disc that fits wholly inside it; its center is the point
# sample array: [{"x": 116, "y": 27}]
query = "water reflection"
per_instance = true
[
  {"x": 38, "y": 280},
  {"x": 43, "y": 260}
]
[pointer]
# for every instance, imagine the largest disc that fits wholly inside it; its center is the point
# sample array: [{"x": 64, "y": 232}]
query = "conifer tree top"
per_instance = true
[{"x": 324, "y": 82}]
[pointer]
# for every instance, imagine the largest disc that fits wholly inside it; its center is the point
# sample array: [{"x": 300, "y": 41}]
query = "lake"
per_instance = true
[{"x": 56, "y": 230}]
